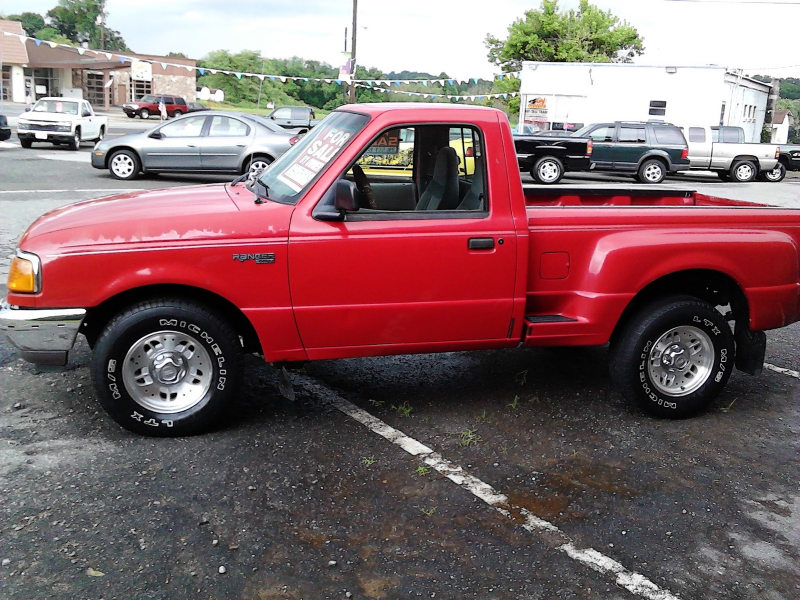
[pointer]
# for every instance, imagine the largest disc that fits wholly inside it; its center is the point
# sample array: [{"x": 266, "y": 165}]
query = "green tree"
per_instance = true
[
  {"x": 49, "y": 34},
  {"x": 588, "y": 34},
  {"x": 78, "y": 21},
  {"x": 31, "y": 22}
]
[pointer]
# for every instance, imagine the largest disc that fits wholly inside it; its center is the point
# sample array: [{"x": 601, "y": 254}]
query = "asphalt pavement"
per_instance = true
[{"x": 510, "y": 474}]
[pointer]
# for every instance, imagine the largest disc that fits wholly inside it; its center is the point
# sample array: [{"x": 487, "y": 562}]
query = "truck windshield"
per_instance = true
[
  {"x": 56, "y": 106},
  {"x": 293, "y": 172}
]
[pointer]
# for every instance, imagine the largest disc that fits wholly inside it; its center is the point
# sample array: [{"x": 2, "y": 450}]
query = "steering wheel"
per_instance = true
[{"x": 362, "y": 184}]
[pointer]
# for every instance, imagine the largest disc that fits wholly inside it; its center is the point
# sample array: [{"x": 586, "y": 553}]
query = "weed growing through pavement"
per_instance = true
[
  {"x": 426, "y": 419},
  {"x": 514, "y": 403},
  {"x": 422, "y": 470},
  {"x": 484, "y": 417},
  {"x": 404, "y": 409},
  {"x": 522, "y": 377},
  {"x": 727, "y": 408},
  {"x": 428, "y": 512},
  {"x": 368, "y": 461},
  {"x": 376, "y": 402},
  {"x": 469, "y": 437}
]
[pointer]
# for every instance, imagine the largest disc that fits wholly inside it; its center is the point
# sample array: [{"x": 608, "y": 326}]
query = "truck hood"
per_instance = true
[
  {"x": 43, "y": 117},
  {"x": 142, "y": 218}
]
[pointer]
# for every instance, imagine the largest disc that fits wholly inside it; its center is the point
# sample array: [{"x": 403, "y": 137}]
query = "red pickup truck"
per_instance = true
[{"x": 360, "y": 242}]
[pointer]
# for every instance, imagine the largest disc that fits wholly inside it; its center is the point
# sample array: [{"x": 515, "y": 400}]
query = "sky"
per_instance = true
[{"x": 436, "y": 36}]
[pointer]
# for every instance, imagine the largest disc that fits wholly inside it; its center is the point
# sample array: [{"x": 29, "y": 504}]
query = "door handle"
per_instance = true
[
  {"x": 240, "y": 145},
  {"x": 191, "y": 146},
  {"x": 480, "y": 243}
]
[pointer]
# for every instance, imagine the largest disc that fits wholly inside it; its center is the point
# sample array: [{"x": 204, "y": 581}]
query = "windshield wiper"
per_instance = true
[{"x": 260, "y": 191}]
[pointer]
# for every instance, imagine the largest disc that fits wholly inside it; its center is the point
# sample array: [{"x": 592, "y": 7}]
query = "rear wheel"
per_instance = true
[
  {"x": 652, "y": 171},
  {"x": 548, "y": 170},
  {"x": 673, "y": 357},
  {"x": 743, "y": 171},
  {"x": 775, "y": 175},
  {"x": 166, "y": 368},
  {"x": 124, "y": 164},
  {"x": 144, "y": 114}
]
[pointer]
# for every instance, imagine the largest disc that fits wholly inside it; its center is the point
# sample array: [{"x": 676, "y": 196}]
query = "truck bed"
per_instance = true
[{"x": 582, "y": 196}]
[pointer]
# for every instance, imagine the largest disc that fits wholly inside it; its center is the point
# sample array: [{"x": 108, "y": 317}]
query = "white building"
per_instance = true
[
  {"x": 782, "y": 121},
  {"x": 566, "y": 95}
]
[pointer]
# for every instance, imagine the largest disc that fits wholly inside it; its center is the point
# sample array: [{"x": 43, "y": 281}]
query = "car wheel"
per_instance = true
[
  {"x": 25, "y": 143},
  {"x": 75, "y": 142},
  {"x": 673, "y": 357},
  {"x": 652, "y": 171},
  {"x": 548, "y": 170},
  {"x": 177, "y": 114},
  {"x": 131, "y": 115},
  {"x": 775, "y": 175},
  {"x": 101, "y": 135},
  {"x": 166, "y": 368},
  {"x": 124, "y": 164},
  {"x": 144, "y": 114},
  {"x": 743, "y": 171},
  {"x": 257, "y": 164}
]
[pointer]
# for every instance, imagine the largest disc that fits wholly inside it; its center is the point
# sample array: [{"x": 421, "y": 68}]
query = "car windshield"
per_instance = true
[
  {"x": 149, "y": 99},
  {"x": 582, "y": 131},
  {"x": 56, "y": 106},
  {"x": 293, "y": 172}
]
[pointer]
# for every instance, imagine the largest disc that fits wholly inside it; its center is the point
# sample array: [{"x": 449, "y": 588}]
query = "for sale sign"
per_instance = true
[{"x": 315, "y": 157}]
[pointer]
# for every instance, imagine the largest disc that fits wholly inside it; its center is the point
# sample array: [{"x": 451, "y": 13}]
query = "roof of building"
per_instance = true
[
  {"x": 13, "y": 48},
  {"x": 779, "y": 116}
]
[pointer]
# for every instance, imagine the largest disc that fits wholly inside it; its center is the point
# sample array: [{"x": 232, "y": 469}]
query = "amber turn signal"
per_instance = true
[{"x": 21, "y": 276}]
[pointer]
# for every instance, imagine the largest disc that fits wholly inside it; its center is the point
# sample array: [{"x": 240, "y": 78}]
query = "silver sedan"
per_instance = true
[{"x": 211, "y": 142}]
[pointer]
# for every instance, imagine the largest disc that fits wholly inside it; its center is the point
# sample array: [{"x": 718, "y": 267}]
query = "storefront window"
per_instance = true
[
  {"x": 44, "y": 81},
  {"x": 6, "y": 95}
]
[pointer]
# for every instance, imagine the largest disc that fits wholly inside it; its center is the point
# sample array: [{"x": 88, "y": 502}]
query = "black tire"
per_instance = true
[
  {"x": 548, "y": 170},
  {"x": 75, "y": 142},
  {"x": 647, "y": 358},
  {"x": 25, "y": 143},
  {"x": 177, "y": 114},
  {"x": 724, "y": 175},
  {"x": 144, "y": 114},
  {"x": 651, "y": 171},
  {"x": 166, "y": 368},
  {"x": 101, "y": 135},
  {"x": 743, "y": 171},
  {"x": 775, "y": 175},
  {"x": 131, "y": 115},
  {"x": 124, "y": 164}
]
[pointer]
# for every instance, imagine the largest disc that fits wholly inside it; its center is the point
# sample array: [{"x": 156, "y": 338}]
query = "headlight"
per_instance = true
[
  {"x": 21, "y": 125},
  {"x": 25, "y": 276},
  {"x": 64, "y": 126}
]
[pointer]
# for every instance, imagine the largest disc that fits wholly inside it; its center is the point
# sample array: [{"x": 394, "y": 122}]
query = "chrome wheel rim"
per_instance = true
[
  {"x": 680, "y": 361},
  {"x": 257, "y": 166},
  {"x": 167, "y": 372},
  {"x": 774, "y": 174},
  {"x": 549, "y": 171},
  {"x": 744, "y": 172},
  {"x": 653, "y": 173},
  {"x": 122, "y": 165}
]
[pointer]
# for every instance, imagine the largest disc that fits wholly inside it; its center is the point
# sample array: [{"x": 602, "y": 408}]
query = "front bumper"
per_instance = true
[
  {"x": 4, "y": 134},
  {"x": 46, "y": 136},
  {"x": 98, "y": 161},
  {"x": 43, "y": 336}
]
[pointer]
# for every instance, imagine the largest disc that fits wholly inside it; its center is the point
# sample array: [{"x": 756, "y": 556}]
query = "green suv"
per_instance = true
[{"x": 650, "y": 150}]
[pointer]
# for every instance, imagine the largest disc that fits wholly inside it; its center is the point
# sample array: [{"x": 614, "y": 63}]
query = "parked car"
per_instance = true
[
  {"x": 724, "y": 151},
  {"x": 60, "y": 121},
  {"x": 5, "y": 130},
  {"x": 195, "y": 107},
  {"x": 309, "y": 262},
  {"x": 789, "y": 160},
  {"x": 207, "y": 142},
  {"x": 547, "y": 158},
  {"x": 296, "y": 118},
  {"x": 649, "y": 149},
  {"x": 149, "y": 105}
]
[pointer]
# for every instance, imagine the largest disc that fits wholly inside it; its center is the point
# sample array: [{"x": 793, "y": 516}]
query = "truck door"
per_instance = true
[
  {"x": 700, "y": 147},
  {"x": 398, "y": 276},
  {"x": 90, "y": 125}
]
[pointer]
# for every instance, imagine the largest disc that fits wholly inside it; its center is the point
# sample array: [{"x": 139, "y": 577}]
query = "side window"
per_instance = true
[
  {"x": 632, "y": 135},
  {"x": 299, "y": 113},
  {"x": 421, "y": 171},
  {"x": 283, "y": 113},
  {"x": 87, "y": 111},
  {"x": 227, "y": 127},
  {"x": 169, "y": 100},
  {"x": 602, "y": 134},
  {"x": 697, "y": 134},
  {"x": 180, "y": 101},
  {"x": 730, "y": 135},
  {"x": 669, "y": 135},
  {"x": 191, "y": 127}
]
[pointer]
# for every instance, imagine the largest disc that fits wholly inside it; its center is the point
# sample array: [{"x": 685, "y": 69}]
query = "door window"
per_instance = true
[
  {"x": 697, "y": 134},
  {"x": 227, "y": 127},
  {"x": 191, "y": 127},
  {"x": 602, "y": 134},
  {"x": 283, "y": 113},
  {"x": 632, "y": 135}
]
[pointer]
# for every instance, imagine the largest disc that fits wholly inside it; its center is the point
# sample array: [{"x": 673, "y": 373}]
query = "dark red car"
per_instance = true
[{"x": 148, "y": 105}]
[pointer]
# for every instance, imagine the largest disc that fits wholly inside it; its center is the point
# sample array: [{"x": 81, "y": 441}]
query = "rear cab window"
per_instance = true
[{"x": 670, "y": 136}]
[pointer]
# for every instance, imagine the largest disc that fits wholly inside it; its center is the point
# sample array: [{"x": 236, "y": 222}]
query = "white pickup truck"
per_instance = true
[
  {"x": 724, "y": 151},
  {"x": 60, "y": 121}
]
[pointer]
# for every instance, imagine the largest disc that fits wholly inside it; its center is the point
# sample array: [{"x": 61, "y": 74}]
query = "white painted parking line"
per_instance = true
[
  {"x": 783, "y": 371},
  {"x": 66, "y": 157},
  {"x": 633, "y": 582},
  {"x": 9, "y": 145}
]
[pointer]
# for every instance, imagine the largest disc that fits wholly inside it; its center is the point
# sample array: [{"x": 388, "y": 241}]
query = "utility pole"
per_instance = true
[{"x": 353, "y": 53}]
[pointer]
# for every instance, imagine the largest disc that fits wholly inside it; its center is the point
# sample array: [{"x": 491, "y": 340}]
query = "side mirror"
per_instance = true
[
  {"x": 156, "y": 135},
  {"x": 344, "y": 201},
  {"x": 27, "y": 109}
]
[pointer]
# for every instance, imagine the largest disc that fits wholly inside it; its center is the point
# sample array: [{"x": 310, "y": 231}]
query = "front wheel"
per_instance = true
[
  {"x": 256, "y": 165},
  {"x": 743, "y": 171},
  {"x": 101, "y": 134},
  {"x": 652, "y": 171},
  {"x": 75, "y": 142},
  {"x": 124, "y": 164},
  {"x": 144, "y": 114},
  {"x": 775, "y": 175},
  {"x": 673, "y": 357},
  {"x": 548, "y": 170},
  {"x": 25, "y": 143},
  {"x": 166, "y": 368}
]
